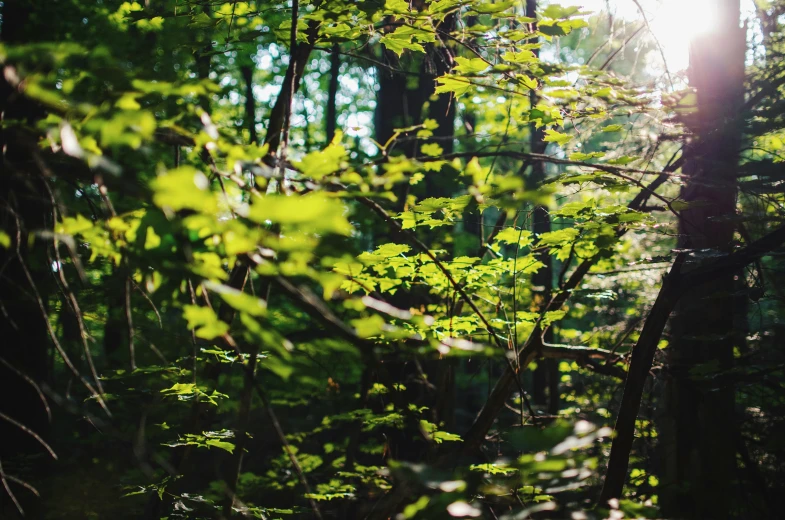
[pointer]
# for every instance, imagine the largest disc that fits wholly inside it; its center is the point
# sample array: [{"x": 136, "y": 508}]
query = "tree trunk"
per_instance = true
[
  {"x": 332, "y": 92},
  {"x": 698, "y": 430},
  {"x": 398, "y": 104},
  {"x": 25, "y": 278},
  {"x": 24, "y": 207},
  {"x": 545, "y": 383},
  {"x": 250, "y": 103}
]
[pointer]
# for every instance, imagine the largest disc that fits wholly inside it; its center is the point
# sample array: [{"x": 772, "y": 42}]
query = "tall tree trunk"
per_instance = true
[
  {"x": 332, "y": 92},
  {"x": 546, "y": 375},
  {"x": 24, "y": 208},
  {"x": 698, "y": 428},
  {"x": 441, "y": 108},
  {"x": 250, "y": 103},
  {"x": 116, "y": 331},
  {"x": 25, "y": 275},
  {"x": 398, "y": 106}
]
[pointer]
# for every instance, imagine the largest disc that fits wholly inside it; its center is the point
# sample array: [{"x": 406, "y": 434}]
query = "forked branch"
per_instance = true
[{"x": 674, "y": 286}]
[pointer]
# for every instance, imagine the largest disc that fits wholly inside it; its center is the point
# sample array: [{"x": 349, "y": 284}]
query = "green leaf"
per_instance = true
[
  {"x": 369, "y": 327},
  {"x": 74, "y": 225},
  {"x": 405, "y": 37},
  {"x": 486, "y": 7},
  {"x": 471, "y": 66},
  {"x": 180, "y": 389},
  {"x": 204, "y": 322},
  {"x": 552, "y": 316},
  {"x": 623, "y": 160},
  {"x": 319, "y": 164},
  {"x": 511, "y": 235},
  {"x": 556, "y": 11},
  {"x": 552, "y": 136},
  {"x": 223, "y": 445},
  {"x": 400, "y": 44},
  {"x": 315, "y": 212},
  {"x": 524, "y": 56},
  {"x": 453, "y": 84},
  {"x": 438, "y": 436},
  {"x": 397, "y": 6},
  {"x": 579, "y": 156},
  {"x": 526, "y": 81},
  {"x": 202, "y": 19},
  {"x": 238, "y": 300},
  {"x": 493, "y": 469},
  {"x": 431, "y": 149},
  {"x": 184, "y": 188},
  {"x": 558, "y": 238},
  {"x": 127, "y": 128}
]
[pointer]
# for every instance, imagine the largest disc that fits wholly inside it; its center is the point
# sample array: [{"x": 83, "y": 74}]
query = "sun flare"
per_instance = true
[{"x": 675, "y": 23}]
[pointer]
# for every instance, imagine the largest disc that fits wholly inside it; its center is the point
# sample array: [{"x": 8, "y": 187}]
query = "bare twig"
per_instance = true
[
  {"x": 10, "y": 493},
  {"x": 29, "y": 432},
  {"x": 130, "y": 323},
  {"x": 45, "y": 315},
  {"x": 32, "y": 383}
]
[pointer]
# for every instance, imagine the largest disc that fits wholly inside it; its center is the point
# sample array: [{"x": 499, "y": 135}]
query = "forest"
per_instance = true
[{"x": 392, "y": 259}]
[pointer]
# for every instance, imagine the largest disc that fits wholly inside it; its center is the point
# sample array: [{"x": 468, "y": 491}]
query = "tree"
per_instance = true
[
  {"x": 24, "y": 286},
  {"x": 700, "y": 424}
]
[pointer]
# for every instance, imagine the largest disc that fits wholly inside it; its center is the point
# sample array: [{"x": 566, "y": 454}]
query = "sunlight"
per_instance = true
[
  {"x": 677, "y": 22},
  {"x": 674, "y": 22}
]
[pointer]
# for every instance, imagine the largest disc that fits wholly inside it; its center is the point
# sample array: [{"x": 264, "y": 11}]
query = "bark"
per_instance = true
[
  {"x": 25, "y": 345},
  {"x": 276, "y": 128},
  {"x": 115, "y": 333},
  {"x": 24, "y": 207},
  {"x": 277, "y": 137},
  {"x": 332, "y": 93},
  {"x": 243, "y": 421},
  {"x": 279, "y": 117},
  {"x": 640, "y": 364},
  {"x": 546, "y": 375},
  {"x": 398, "y": 105},
  {"x": 439, "y": 61},
  {"x": 676, "y": 284},
  {"x": 250, "y": 103},
  {"x": 698, "y": 427},
  {"x": 441, "y": 108}
]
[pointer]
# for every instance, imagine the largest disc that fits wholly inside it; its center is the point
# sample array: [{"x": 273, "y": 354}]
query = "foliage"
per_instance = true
[{"x": 308, "y": 324}]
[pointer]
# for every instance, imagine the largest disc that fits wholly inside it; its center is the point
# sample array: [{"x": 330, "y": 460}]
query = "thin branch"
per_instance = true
[
  {"x": 130, "y": 323},
  {"x": 11, "y": 495},
  {"x": 42, "y": 308},
  {"x": 411, "y": 237},
  {"x": 656, "y": 41},
  {"x": 29, "y": 432},
  {"x": 63, "y": 282},
  {"x": 32, "y": 383},
  {"x": 287, "y": 448},
  {"x": 533, "y": 345}
]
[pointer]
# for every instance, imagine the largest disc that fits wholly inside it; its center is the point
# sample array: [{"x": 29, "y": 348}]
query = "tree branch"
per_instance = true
[
  {"x": 674, "y": 286},
  {"x": 495, "y": 403}
]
